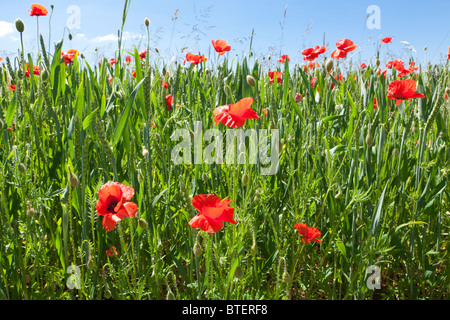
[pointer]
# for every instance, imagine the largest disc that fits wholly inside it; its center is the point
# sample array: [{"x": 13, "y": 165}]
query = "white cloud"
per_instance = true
[
  {"x": 112, "y": 37},
  {"x": 6, "y": 28}
]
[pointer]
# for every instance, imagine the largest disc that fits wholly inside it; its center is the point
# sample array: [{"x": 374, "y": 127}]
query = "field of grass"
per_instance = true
[{"x": 372, "y": 179}]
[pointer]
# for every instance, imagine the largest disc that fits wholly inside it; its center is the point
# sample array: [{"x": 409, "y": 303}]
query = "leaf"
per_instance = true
[
  {"x": 377, "y": 215},
  {"x": 79, "y": 102},
  {"x": 125, "y": 115},
  {"x": 409, "y": 224},
  {"x": 88, "y": 120},
  {"x": 10, "y": 112}
]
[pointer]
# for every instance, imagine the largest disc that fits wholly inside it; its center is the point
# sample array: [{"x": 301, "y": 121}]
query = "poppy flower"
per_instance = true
[
  {"x": 134, "y": 73},
  {"x": 12, "y": 87},
  {"x": 386, "y": 40},
  {"x": 142, "y": 54},
  {"x": 110, "y": 79},
  {"x": 169, "y": 102},
  {"x": 128, "y": 59},
  {"x": 400, "y": 90},
  {"x": 311, "y": 54},
  {"x": 363, "y": 65},
  {"x": 12, "y": 128},
  {"x": 396, "y": 64},
  {"x": 264, "y": 111},
  {"x": 277, "y": 74},
  {"x": 311, "y": 66},
  {"x": 1, "y": 59},
  {"x": 112, "y": 61},
  {"x": 111, "y": 252},
  {"x": 38, "y": 10},
  {"x": 374, "y": 103},
  {"x": 344, "y": 46},
  {"x": 406, "y": 71},
  {"x": 234, "y": 115},
  {"x": 221, "y": 46},
  {"x": 114, "y": 204},
  {"x": 194, "y": 58},
  {"x": 313, "y": 81},
  {"x": 448, "y": 55},
  {"x": 69, "y": 56},
  {"x": 212, "y": 213},
  {"x": 163, "y": 83},
  {"x": 283, "y": 58},
  {"x": 298, "y": 97},
  {"x": 309, "y": 234}
]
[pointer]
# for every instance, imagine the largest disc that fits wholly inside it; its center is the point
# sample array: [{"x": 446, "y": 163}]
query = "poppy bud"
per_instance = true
[
  {"x": 245, "y": 179},
  {"x": 329, "y": 65},
  {"x": 144, "y": 152},
  {"x": 44, "y": 75},
  {"x": 81, "y": 56},
  {"x": 147, "y": 22},
  {"x": 257, "y": 198},
  {"x": 254, "y": 249},
  {"x": 197, "y": 250},
  {"x": 30, "y": 212},
  {"x": 90, "y": 263},
  {"x": 107, "y": 294},
  {"x": 157, "y": 51},
  {"x": 395, "y": 152},
  {"x": 207, "y": 71},
  {"x": 143, "y": 224},
  {"x": 369, "y": 140},
  {"x": 73, "y": 179},
  {"x": 251, "y": 80},
  {"x": 70, "y": 36},
  {"x": 22, "y": 168},
  {"x": 286, "y": 277},
  {"x": 20, "y": 25},
  {"x": 170, "y": 295},
  {"x": 269, "y": 57},
  {"x": 377, "y": 62},
  {"x": 239, "y": 273}
]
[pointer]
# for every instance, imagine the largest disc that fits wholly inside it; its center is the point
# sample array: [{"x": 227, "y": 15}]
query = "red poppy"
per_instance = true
[
  {"x": 277, "y": 74},
  {"x": 221, "y": 46},
  {"x": 163, "y": 83},
  {"x": 283, "y": 58},
  {"x": 128, "y": 59},
  {"x": 142, "y": 54},
  {"x": 1, "y": 59},
  {"x": 194, "y": 58},
  {"x": 234, "y": 115},
  {"x": 311, "y": 54},
  {"x": 12, "y": 87},
  {"x": 406, "y": 71},
  {"x": 298, "y": 97},
  {"x": 363, "y": 65},
  {"x": 69, "y": 56},
  {"x": 110, "y": 79},
  {"x": 313, "y": 81},
  {"x": 134, "y": 73},
  {"x": 311, "y": 66},
  {"x": 12, "y": 128},
  {"x": 344, "y": 46},
  {"x": 448, "y": 55},
  {"x": 396, "y": 64},
  {"x": 400, "y": 90},
  {"x": 374, "y": 103},
  {"x": 111, "y": 252},
  {"x": 382, "y": 72},
  {"x": 38, "y": 10},
  {"x": 36, "y": 71},
  {"x": 264, "y": 111},
  {"x": 112, "y": 61},
  {"x": 169, "y": 102},
  {"x": 212, "y": 213},
  {"x": 114, "y": 204},
  {"x": 386, "y": 40},
  {"x": 308, "y": 233}
]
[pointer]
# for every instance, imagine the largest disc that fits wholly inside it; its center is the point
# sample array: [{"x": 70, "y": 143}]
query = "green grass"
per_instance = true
[{"x": 385, "y": 204}]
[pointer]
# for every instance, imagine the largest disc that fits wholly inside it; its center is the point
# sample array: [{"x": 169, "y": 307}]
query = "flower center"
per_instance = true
[{"x": 111, "y": 206}]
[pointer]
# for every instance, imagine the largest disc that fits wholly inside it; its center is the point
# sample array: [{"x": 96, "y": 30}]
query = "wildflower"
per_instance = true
[
  {"x": 283, "y": 58},
  {"x": 111, "y": 252},
  {"x": 264, "y": 111},
  {"x": 143, "y": 54},
  {"x": 212, "y": 213},
  {"x": 402, "y": 90},
  {"x": 344, "y": 46},
  {"x": 311, "y": 66},
  {"x": 69, "y": 56},
  {"x": 363, "y": 65},
  {"x": 277, "y": 74},
  {"x": 311, "y": 54},
  {"x": 308, "y": 233},
  {"x": 112, "y": 61},
  {"x": 163, "y": 83},
  {"x": 448, "y": 55},
  {"x": 114, "y": 204},
  {"x": 194, "y": 58},
  {"x": 298, "y": 97},
  {"x": 128, "y": 59},
  {"x": 386, "y": 40},
  {"x": 38, "y": 10},
  {"x": 134, "y": 73},
  {"x": 169, "y": 102},
  {"x": 234, "y": 115},
  {"x": 313, "y": 81},
  {"x": 221, "y": 46}
]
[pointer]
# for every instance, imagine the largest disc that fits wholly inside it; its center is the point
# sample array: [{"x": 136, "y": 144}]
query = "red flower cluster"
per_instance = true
[
  {"x": 111, "y": 252},
  {"x": 221, "y": 46},
  {"x": 400, "y": 90},
  {"x": 212, "y": 213},
  {"x": 114, "y": 204},
  {"x": 344, "y": 46},
  {"x": 234, "y": 115},
  {"x": 283, "y": 58},
  {"x": 309, "y": 234},
  {"x": 36, "y": 71},
  {"x": 311, "y": 54},
  {"x": 277, "y": 75},
  {"x": 69, "y": 56},
  {"x": 194, "y": 58}
]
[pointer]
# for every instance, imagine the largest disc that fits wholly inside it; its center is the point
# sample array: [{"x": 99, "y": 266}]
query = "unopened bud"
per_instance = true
[
  {"x": 251, "y": 80},
  {"x": 143, "y": 224},
  {"x": 369, "y": 140},
  {"x": 73, "y": 179},
  {"x": 44, "y": 75},
  {"x": 31, "y": 212},
  {"x": 245, "y": 179},
  {"x": 377, "y": 62},
  {"x": 286, "y": 277},
  {"x": 70, "y": 37},
  {"x": 147, "y": 22},
  {"x": 170, "y": 295},
  {"x": 329, "y": 65},
  {"x": 197, "y": 250},
  {"x": 20, "y": 26},
  {"x": 22, "y": 168}
]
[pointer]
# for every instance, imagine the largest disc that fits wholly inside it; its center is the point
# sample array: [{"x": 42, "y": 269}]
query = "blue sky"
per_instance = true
[{"x": 280, "y": 26}]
